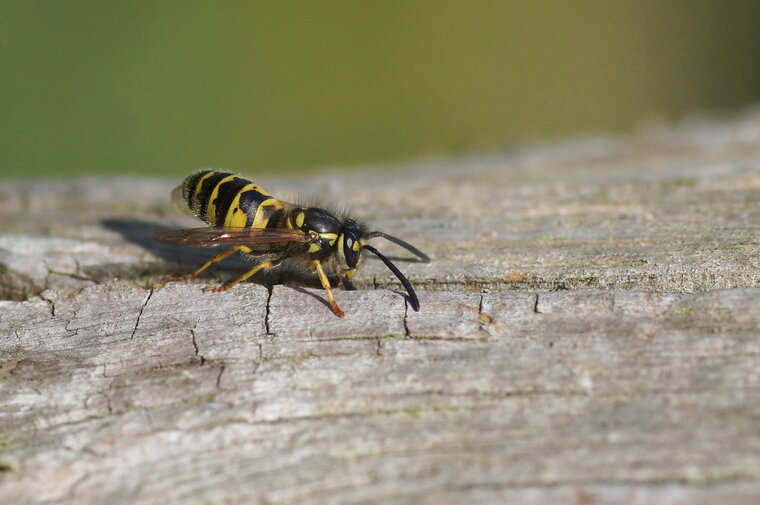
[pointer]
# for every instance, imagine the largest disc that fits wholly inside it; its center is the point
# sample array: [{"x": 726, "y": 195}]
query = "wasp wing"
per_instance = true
[{"x": 200, "y": 237}]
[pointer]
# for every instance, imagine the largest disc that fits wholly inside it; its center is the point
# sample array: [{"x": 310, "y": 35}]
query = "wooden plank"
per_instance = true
[{"x": 589, "y": 332}]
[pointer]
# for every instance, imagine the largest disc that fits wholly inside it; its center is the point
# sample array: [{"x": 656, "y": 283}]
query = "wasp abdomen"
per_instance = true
[{"x": 225, "y": 199}]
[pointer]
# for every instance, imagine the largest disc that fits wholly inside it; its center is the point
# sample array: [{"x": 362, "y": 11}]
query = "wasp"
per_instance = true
[{"x": 275, "y": 233}]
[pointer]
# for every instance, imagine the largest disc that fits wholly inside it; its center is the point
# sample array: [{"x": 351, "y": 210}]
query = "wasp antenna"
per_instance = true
[
  {"x": 406, "y": 245},
  {"x": 413, "y": 301}
]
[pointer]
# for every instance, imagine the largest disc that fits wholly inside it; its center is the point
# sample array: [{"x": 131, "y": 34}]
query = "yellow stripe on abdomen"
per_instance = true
[
  {"x": 236, "y": 217},
  {"x": 265, "y": 211},
  {"x": 212, "y": 201}
]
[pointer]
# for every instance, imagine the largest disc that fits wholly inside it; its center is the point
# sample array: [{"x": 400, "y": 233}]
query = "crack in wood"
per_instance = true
[
  {"x": 195, "y": 346},
  {"x": 219, "y": 376},
  {"x": 139, "y": 315},
  {"x": 75, "y": 331},
  {"x": 483, "y": 318},
  {"x": 406, "y": 322},
  {"x": 270, "y": 291},
  {"x": 51, "y": 304}
]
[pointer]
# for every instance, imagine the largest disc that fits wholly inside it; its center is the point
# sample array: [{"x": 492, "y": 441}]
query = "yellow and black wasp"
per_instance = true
[{"x": 275, "y": 233}]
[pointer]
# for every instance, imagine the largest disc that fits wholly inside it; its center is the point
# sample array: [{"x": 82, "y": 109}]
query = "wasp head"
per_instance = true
[{"x": 350, "y": 244}]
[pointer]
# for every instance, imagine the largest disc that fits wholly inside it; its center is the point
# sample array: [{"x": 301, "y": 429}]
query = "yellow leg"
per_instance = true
[
  {"x": 216, "y": 259},
  {"x": 328, "y": 289},
  {"x": 264, "y": 265}
]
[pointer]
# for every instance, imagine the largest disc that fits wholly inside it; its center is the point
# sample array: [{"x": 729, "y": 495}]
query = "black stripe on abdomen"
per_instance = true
[
  {"x": 188, "y": 189},
  {"x": 249, "y": 203},
  {"x": 225, "y": 195},
  {"x": 207, "y": 187}
]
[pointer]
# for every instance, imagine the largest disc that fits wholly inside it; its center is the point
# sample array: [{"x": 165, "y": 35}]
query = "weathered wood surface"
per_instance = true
[{"x": 589, "y": 334}]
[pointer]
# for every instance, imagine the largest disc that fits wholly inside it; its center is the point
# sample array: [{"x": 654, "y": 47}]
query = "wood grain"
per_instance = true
[{"x": 589, "y": 334}]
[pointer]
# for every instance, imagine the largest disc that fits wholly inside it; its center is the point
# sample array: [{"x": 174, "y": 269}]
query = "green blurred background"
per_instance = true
[{"x": 166, "y": 87}]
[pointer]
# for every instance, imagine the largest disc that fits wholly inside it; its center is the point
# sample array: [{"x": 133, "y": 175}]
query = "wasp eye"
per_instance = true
[{"x": 352, "y": 255}]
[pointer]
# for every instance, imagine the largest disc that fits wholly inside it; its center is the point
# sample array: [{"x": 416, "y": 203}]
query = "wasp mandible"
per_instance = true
[{"x": 273, "y": 233}]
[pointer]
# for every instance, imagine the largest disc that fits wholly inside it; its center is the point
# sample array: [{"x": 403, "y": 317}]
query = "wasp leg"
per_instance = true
[
  {"x": 216, "y": 259},
  {"x": 264, "y": 265},
  {"x": 328, "y": 289}
]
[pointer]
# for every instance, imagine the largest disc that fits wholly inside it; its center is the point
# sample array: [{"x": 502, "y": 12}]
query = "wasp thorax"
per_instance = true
[
  {"x": 318, "y": 220},
  {"x": 321, "y": 225}
]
